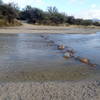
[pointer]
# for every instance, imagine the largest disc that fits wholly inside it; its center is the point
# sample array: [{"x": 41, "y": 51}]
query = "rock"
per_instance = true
[
  {"x": 61, "y": 47},
  {"x": 84, "y": 60},
  {"x": 67, "y": 55},
  {"x": 71, "y": 52},
  {"x": 93, "y": 65}
]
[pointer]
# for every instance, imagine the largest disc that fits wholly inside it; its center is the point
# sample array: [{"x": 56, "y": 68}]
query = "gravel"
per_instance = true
[{"x": 83, "y": 90}]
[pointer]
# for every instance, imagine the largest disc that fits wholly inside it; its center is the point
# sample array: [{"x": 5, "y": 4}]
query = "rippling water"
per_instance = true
[
  {"x": 87, "y": 46},
  {"x": 28, "y": 57}
]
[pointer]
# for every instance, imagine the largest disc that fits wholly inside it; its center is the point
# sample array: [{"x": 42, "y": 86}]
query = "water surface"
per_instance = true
[
  {"x": 84, "y": 45},
  {"x": 28, "y": 57}
]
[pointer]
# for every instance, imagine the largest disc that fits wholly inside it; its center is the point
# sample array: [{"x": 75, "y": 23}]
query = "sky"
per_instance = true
[{"x": 87, "y": 9}]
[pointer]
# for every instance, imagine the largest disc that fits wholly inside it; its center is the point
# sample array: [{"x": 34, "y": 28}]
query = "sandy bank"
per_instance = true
[
  {"x": 50, "y": 91},
  {"x": 27, "y": 28}
]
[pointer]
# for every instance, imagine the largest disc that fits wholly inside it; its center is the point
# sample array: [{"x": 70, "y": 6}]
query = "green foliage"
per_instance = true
[
  {"x": 35, "y": 15},
  {"x": 87, "y": 22},
  {"x": 8, "y": 12},
  {"x": 8, "y": 15},
  {"x": 51, "y": 17},
  {"x": 70, "y": 20},
  {"x": 32, "y": 15},
  {"x": 96, "y": 23},
  {"x": 78, "y": 21},
  {"x": 57, "y": 18}
]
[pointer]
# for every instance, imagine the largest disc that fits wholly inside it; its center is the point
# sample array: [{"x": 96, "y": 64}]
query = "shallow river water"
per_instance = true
[
  {"x": 28, "y": 57},
  {"x": 87, "y": 45}
]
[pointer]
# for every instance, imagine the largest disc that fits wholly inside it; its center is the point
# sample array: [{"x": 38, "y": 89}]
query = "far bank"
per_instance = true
[{"x": 29, "y": 28}]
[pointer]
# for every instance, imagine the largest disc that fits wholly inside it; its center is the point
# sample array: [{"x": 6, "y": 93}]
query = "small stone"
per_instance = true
[
  {"x": 93, "y": 65},
  {"x": 61, "y": 47},
  {"x": 71, "y": 52},
  {"x": 67, "y": 55},
  {"x": 84, "y": 60}
]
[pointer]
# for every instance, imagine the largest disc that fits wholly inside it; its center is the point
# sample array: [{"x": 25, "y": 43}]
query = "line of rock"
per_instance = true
[{"x": 69, "y": 53}]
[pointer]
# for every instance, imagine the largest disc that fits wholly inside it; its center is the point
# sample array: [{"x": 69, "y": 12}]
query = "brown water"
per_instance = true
[{"x": 28, "y": 57}]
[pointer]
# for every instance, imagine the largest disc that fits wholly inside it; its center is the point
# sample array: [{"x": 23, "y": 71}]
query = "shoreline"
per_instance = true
[
  {"x": 48, "y": 90},
  {"x": 35, "y": 29}
]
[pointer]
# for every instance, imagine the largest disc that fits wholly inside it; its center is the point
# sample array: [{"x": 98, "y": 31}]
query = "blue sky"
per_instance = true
[{"x": 79, "y": 8}]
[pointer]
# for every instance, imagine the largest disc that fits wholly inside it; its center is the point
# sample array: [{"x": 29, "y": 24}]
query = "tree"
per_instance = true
[
  {"x": 78, "y": 21},
  {"x": 32, "y": 15},
  {"x": 52, "y": 10},
  {"x": 70, "y": 20},
  {"x": 51, "y": 17},
  {"x": 96, "y": 23},
  {"x": 57, "y": 18},
  {"x": 37, "y": 15},
  {"x": 87, "y": 22},
  {"x": 24, "y": 14},
  {"x": 8, "y": 12},
  {"x": 28, "y": 8}
]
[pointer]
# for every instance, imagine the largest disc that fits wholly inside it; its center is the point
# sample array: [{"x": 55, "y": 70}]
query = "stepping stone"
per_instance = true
[
  {"x": 67, "y": 55},
  {"x": 61, "y": 47}
]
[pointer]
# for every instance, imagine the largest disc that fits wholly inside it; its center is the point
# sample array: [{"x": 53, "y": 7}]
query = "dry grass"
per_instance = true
[
  {"x": 82, "y": 26},
  {"x": 3, "y": 23}
]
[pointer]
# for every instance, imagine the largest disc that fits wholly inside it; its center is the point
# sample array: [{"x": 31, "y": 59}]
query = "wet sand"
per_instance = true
[{"x": 33, "y": 69}]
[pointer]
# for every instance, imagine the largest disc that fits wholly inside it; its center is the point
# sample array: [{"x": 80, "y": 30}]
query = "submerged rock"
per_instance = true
[
  {"x": 61, "y": 47},
  {"x": 67, "y": 55},
  {"x": 93, "y": 65},
  {"x": 71, "y": 52},
  {"x": 84, "y": 60}
]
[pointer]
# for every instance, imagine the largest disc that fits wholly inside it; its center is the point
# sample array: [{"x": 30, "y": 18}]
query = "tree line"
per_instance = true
[
  {"x": 52, "y": 16},
  {"x": 8, "y": 12}
]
